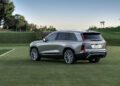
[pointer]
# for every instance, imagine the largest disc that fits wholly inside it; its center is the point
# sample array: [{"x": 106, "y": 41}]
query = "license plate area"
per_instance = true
[{"x": 96, "y": 46}]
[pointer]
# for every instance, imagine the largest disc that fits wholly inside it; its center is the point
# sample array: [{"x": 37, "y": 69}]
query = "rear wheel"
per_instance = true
[
  {"x": 69, "y": 56},
  {"x": 94, "y": 60},
  {"x": 35, "y": 54}
]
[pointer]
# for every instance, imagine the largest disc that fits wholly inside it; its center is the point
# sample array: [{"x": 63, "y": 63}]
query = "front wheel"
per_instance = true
[
  {"x": 94, "y": 60},
  {"x": 35, "y": 54},
  {"x": 69, "y": 56}
]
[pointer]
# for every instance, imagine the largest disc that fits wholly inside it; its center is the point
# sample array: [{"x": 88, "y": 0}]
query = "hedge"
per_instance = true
[
  {"x": 17, "y": 37},
  {"x": 112, "y": 38}
]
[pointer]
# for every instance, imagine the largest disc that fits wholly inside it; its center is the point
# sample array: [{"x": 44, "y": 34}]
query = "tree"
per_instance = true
[
  {"x": 32, "y": 27},
  {"x": 16, "y": 23},
  {"x": 42, "y": 30},
  {"x": 10, "y": 23},
  {"x": 51, "y": 28},
  {"x": 6, "y": 10},
  {"x": 20, "y": 22},
  {"x": 7, "y": 20}
]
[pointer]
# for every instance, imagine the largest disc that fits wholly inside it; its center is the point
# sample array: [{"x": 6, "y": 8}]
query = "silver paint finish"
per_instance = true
[{"x": 57, "y": 47}]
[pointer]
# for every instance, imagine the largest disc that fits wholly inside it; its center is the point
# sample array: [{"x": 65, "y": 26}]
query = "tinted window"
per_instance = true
[
  {"x": 52, "y": 37},
  {"x": 92, "y": 36},
  {"x": 66, "y": 36}
]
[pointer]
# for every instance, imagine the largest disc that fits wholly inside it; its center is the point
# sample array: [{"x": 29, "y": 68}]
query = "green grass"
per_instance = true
[
  {"x": 2, "y": 51},
  {"x": 16, "y": 69}
]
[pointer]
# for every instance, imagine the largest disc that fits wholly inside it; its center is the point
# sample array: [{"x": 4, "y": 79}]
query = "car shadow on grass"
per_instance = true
[
  {"x": 44, "y": 61},
  {"x": 60, "y": 61}
]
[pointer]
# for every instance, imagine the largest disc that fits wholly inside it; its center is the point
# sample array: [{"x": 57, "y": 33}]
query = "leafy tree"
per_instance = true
[
  {"x": 51, "y": 28},
  {"x": 16, "y": 23},
  {"x": 42, "y": 30},
  {"x": 8, "y": 20},
  {"x": 10, "y": 23},
  {"x": 20, "y": 22},
  {"x": 6, "y": 10},
  {"x": 32, "y": 27}
]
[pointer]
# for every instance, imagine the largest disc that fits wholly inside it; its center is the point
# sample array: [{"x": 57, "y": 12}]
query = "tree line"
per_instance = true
[
  {"x": 17, "y": 22},
  {"x": 117, "y": 29}
]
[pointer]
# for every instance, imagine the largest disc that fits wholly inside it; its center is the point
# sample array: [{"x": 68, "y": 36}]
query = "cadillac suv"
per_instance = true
[{"x": 71, "y": 46}]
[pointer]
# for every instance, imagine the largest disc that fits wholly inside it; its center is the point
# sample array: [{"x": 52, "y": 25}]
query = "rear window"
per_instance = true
[{"x": 92, "y": 36}]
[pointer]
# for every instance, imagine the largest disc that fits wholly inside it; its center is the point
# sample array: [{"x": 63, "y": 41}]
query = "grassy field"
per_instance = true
[
  {"x": 16, "y": 69},
  {"x": 2, "y": 51}
]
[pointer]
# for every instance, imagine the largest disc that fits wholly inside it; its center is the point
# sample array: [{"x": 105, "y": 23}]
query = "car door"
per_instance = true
[{"x": 50, "y": 47}]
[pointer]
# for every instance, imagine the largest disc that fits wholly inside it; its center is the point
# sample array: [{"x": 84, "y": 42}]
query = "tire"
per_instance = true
[
  {"x": 35, "y": 54},
  {"x": 94, "y": 60},
  {"x": 69, "y": 56}
]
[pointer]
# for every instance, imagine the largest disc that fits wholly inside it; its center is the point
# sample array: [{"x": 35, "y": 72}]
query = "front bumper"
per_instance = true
[{"x": 87, "y": 55}]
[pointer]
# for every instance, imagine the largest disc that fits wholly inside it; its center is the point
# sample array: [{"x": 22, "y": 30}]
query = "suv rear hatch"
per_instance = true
[{"x": 93, "y": 42}]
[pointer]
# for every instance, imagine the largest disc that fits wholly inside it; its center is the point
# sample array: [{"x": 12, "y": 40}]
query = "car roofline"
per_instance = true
[{"x": 86, "y": 31}]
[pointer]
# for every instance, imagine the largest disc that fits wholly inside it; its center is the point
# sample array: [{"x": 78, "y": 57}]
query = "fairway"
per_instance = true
[{"x": 16, "y": 69}]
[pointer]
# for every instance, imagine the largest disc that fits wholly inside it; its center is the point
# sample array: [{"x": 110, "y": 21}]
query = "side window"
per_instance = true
[
  {"x": 78, "y": 36},
  {"x": 60, "y": 36},
  {"x": 66, "y": 36},
  {"x": 71, "y": 37},
  {"x": 52, "y": 37}
]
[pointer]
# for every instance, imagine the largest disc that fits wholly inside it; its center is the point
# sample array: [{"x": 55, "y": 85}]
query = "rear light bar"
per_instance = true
[{"x": 83, "y": 47}]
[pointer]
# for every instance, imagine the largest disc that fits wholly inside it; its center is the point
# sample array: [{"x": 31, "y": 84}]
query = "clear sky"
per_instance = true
[{"x": 70, "y": 14}]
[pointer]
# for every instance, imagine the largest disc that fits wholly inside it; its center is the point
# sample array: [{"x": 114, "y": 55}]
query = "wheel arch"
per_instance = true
[
  {"x": 68, "y": 48},
  {"x": 33, "y": 47}
]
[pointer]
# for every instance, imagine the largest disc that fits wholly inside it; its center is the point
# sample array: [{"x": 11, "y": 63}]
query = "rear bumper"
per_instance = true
[{"x": 87, "y": 55}]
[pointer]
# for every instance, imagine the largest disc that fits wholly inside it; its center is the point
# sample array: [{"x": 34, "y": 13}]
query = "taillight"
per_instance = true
[{"x": 83, "y": 48}]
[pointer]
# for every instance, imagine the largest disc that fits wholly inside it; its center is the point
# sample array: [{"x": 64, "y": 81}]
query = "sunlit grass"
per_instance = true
[{"x": 16, "y": 69}]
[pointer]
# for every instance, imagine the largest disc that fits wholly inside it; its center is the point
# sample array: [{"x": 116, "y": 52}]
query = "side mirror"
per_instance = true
[{"x": 44, "y": 40}]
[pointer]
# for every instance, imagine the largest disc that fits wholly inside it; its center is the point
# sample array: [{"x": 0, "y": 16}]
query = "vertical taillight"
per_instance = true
[{"x": 83, "y": 47}]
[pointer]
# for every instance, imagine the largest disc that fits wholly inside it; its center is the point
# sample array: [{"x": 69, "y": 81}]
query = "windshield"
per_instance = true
[{"x": 92, "y": 36}]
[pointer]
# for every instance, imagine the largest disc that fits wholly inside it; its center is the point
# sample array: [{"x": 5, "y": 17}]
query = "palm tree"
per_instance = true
[{"x": 102, "y": 24}]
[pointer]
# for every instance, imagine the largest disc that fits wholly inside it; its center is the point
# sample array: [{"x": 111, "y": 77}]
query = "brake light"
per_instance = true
[{"x": 83, "y": 48}]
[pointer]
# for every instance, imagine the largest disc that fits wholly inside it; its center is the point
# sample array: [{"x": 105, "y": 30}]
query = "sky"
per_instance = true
[{"x": 70, "y": 14}]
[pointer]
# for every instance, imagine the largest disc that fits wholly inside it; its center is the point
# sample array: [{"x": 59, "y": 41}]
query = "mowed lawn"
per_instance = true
[{"x": 16, "y": 69}]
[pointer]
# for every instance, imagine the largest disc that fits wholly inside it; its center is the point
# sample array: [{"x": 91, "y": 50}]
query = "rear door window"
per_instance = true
[
  {"x": 66, "y": 36},
  {"x": 92, "y": 36}
]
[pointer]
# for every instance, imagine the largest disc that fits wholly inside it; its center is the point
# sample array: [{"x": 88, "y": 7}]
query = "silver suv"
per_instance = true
[{"x": 71, "y": 46}]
